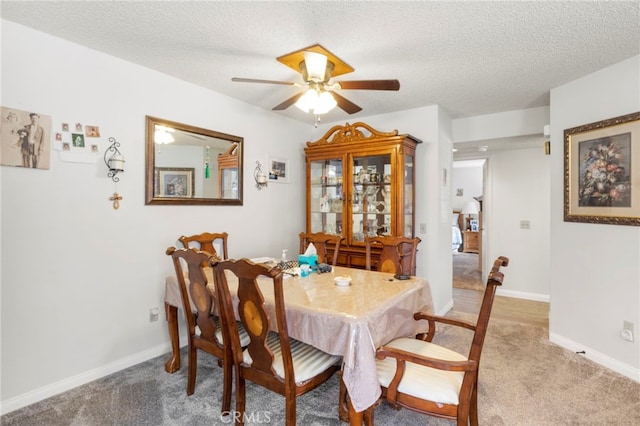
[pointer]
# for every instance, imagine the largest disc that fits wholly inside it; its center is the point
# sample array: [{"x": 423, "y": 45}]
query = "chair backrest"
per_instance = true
[
  {"x": 205, "y": 242},
  {"x": 398, "y": 254},
  {"x": 196, "y": 262},
  {"x": 253, "y": 314},
  {"x": 325, "y": 245},
  {"x": 493, "y": 281}
]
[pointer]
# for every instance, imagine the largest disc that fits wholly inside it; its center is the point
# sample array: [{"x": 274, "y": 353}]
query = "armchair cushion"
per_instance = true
[
  {"x": 423, "y": 382},
  {"x": 307, "y": 360}
]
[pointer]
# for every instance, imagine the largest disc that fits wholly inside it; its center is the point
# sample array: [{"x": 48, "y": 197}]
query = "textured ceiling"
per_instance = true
[{"x": 470, "y": 58}]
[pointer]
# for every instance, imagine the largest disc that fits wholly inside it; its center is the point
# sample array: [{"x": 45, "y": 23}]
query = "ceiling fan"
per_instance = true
[{"x": 317, "y": 66}]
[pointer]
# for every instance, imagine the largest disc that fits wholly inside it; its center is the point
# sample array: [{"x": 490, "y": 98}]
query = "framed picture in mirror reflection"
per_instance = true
[{"x": 174, "y": 182}]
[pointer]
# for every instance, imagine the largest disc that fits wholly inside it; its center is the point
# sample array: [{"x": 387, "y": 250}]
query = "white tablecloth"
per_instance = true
[{"x": 347, "y": 321}]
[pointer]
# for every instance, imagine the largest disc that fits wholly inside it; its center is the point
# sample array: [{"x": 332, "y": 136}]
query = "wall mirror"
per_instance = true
[{"x": 190, "y": 165}]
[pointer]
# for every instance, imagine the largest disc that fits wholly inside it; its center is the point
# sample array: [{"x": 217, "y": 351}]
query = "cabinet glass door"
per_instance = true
[
  {"x": 372, "y": 198},
  {"x": 326, "y": 196},
  {"x": 229, "y": 183},
  {"x": 408, "y": 196}
]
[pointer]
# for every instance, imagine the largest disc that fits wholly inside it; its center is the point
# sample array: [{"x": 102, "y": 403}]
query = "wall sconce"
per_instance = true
[
  {"x": 115, "y": 164},
  {"x": 259, "y": 176},
  {"x": 114, "y": 160}
]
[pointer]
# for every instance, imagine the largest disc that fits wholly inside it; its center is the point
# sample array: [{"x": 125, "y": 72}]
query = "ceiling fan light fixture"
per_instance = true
[
  {"x": 326, "y": 103},
  {"x": 316, "y": 65},
  {"x": 316, "y": 102},
  {"x": 162, "y": 136},
  {"x": 307, "y": 101}
]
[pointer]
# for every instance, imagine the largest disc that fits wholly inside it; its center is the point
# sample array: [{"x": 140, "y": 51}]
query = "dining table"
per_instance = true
[{"x": 351, "y": 321}]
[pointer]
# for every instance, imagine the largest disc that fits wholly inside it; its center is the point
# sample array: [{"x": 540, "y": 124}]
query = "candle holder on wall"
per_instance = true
[
  {"x": 114, "y": 160},
  {"x": 259, "y": 176}
]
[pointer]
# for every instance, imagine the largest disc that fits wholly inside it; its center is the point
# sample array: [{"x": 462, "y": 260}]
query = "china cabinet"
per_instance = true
[{"x": 360, "y": 182}]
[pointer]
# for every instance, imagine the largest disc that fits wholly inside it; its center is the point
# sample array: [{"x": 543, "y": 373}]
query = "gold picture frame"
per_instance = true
[{"x": 602, "y": 172}]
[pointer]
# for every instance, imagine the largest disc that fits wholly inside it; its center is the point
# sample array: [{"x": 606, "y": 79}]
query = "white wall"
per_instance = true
[
  {"x": 469, "y": 179},
  {"x": 501, "y": 125},
  {"x": 519, "y": 182},
  {"x": 78, "y": 277},
  {"x": 595, "y": 268}
]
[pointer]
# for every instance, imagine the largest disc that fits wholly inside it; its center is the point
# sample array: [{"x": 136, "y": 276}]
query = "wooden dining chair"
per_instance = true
[
  {"x": 428, "y": 378},
  {"x": 325, "y": 245},
  {"x": 207, "y": 242},
  {"x": 204, "y": 328},
  {"x": 272, "y": 359},
  {"x": 397, "y": 255}
]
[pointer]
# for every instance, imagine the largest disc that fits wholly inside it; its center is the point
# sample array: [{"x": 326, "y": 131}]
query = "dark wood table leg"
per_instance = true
[
  {"x": 343, "y": 401},
  {"x": 173, "y": 363},
  {"x": 347, "y": 413}
]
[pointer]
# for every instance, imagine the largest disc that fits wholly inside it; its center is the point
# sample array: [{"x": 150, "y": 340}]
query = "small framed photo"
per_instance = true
[
  {"x": 278, "y": 170},
  {"x": 174, "y": 182},
  {"x": 77, "y": 139},
  {"x": 92, "y": 131},
  {"x": 601, "y": 171},
  {"x": 474, "y": 224}
]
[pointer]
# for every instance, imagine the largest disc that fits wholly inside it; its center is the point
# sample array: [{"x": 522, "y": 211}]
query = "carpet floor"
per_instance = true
[
  {"x": 524, "y": 380},
  {"x": 466, "y": 274}
]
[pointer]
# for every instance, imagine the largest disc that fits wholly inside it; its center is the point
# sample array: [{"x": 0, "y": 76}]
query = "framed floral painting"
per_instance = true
[{"x": 602, "y": 172}]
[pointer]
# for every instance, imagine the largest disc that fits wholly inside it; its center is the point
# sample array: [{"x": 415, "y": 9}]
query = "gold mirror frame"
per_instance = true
[{"x": 176, "y": 172}]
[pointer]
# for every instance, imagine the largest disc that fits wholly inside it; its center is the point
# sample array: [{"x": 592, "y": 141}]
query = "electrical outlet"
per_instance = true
[
  {"x": 423, "y": 228},
  {"x": 627, "y": 331},
  {"x": 153, "y": 314},
  {"x": 525, "y": 224}
]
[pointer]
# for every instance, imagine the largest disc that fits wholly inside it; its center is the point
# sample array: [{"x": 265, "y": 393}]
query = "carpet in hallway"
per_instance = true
[{"x": 465, "y": 271}]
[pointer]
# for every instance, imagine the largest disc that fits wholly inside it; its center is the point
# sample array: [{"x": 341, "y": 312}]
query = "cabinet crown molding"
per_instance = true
[{"x": 353, "y": 133}]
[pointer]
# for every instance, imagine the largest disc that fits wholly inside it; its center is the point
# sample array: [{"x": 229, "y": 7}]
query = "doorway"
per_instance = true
[{"x": 468, "y": 178}]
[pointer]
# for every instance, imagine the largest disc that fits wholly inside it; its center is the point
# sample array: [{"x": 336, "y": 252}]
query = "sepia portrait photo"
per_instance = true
[{"x": 24, "y": 139}]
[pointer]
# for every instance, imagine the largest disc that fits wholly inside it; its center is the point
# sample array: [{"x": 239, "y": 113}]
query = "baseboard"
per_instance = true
[
  {"x": 80, "y": 379},
  {"x": 523, "y": 295},
  {"x": 597, "y": 357}
]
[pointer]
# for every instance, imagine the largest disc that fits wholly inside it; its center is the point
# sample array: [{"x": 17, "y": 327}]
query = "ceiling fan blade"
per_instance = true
[
  {"x": 253, "y": 80},
  {"x": 370, "y": 85},
  {"x": 345, "y": 104},
  {"x": 286, "y": 104}
]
